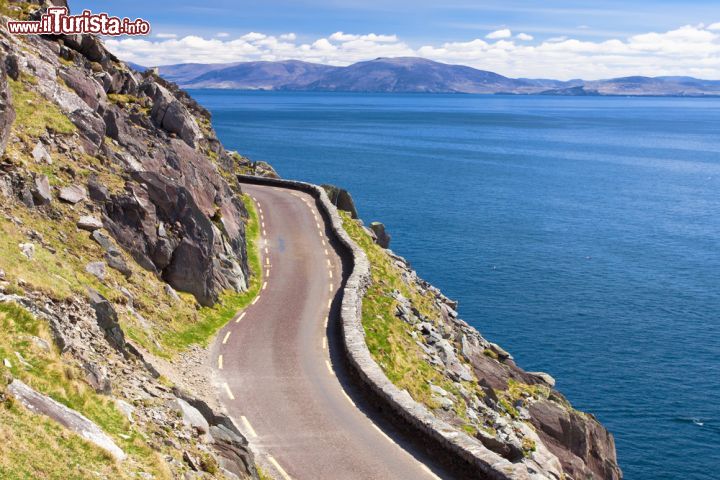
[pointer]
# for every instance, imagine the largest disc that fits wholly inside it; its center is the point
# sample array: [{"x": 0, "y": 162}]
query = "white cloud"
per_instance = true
[
  {"x": 687, "y": 50},
  {"x": 222, "y": 34},
  {"x": 166, "y": 35},
  {"x": 503, "y": 33},
  {"x": 524, "y": 37}
]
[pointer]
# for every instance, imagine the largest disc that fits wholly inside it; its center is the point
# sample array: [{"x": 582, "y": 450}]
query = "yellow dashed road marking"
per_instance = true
[
  {"x": 330, "y": 303},
  {"x": 220, "y": 362},
  {"x": 240, "y": 317},
  {"x": 248, "y": 427},
  {"x": 227, "y": 335},
  {"x": 264, "y": 285},
  {"x": 256, "y": 300},
  {"x": 229, "y": 393},
  {"x": 279, "y": 468},
  {"x": 327, "y": 364}
]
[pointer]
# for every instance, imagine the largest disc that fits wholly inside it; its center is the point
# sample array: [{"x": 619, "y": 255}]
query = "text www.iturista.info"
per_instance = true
[{"x": 57, "y": 21}]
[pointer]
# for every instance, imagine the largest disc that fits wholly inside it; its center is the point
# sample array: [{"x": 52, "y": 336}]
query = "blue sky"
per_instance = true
[{"x": 434, "y": 24}]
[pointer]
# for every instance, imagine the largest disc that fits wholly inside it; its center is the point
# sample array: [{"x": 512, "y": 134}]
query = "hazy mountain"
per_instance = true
[
  {"x": 410, "y": 74},
  {"x": 290, "y": 74}
]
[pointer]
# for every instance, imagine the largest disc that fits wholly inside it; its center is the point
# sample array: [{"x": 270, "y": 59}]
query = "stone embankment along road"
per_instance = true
[{"x": 463, "y": 452}]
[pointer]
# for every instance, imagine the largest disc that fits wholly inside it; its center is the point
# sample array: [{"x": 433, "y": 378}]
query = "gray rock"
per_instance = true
[
  {"x": 116, "y": 261},
  {"x": 89, "y": 223},
  {"x": 27, "y": 249},
  {"x": 545, "y": 377},
  {"x": 12, "y": 66},
  {"x": 126, "y": 409},
  {"x": 97, "y": 377},
  {"x": 192, "y": 416},
  {"x": 171, "y": 115},
  {"x": 86, "y": 87},
  {"x": 107, "y": 319},
  {"x": 73, "y": 194},
  {"x": 98, "y": 191},
  {"x": 70, "y": 419},
  {"x": 438, "y": 390},
  {"x": 103, "y": 240},
  {"x": 501, "y": 353},
  {"x": 41, "y": 343},
  {"x": 40, "y": 154},
  {"x": 170, "y": 292},
  {"x": 2, "y": 274},
  {"x": 97, "y": 269},
  {"x": 113, "y": 256},
  {"x": 41, "y": 191},
  {"x": 341, "y": 198},
  {"x": 91, "y": 128},
  {"x": 382, "y": 238}
]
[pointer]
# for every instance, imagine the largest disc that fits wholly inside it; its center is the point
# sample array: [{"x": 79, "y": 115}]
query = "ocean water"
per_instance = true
[{"x": 582, "y": 234}]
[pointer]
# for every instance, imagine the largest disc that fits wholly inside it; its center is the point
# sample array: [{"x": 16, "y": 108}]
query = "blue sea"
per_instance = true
[{"x": 582, "y": 234}]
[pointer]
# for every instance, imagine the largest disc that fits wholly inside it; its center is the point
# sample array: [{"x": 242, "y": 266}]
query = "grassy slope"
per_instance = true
[
  {"x": 65, "y": 455},
  {"x": 389, "y": 338}
]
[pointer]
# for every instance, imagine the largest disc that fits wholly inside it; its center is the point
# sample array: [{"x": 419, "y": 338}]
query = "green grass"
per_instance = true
[
  {"x": 389, "y": 338},
  {"x": 212, "y": 319},
  {"x": 34, "y": 114},
  {"x": 61, "y": 379}
]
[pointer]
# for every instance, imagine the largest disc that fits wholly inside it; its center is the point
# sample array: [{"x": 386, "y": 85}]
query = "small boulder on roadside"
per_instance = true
[
  {"x": 73, "y": 194},
  {"x": 89, "y": 223}
]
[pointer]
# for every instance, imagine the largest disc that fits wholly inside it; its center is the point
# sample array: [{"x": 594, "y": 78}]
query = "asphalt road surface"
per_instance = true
[{"x": 279, "y": 366}]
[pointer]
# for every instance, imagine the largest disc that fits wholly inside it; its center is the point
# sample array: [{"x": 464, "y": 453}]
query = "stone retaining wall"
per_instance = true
[{"x": 466, "y": 453}]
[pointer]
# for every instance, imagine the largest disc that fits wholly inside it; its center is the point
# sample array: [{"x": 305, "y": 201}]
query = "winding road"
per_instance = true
[{"x": 279, "y": 366}]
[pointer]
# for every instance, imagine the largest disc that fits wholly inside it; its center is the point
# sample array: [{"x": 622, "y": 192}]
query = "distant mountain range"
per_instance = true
[{"x": 414, "y": 75}]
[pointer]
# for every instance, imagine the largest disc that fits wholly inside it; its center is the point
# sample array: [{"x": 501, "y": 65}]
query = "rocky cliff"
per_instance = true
[
  {"x": 121, "y": 231},
  {"x": 414, "y": 333}
]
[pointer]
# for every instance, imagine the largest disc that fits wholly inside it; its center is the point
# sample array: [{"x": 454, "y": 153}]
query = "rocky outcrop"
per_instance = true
[
  {"x": 341, "y": 199},
  {"x": 176, "y": 215},
  {"x": 382, "y": 238}
]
